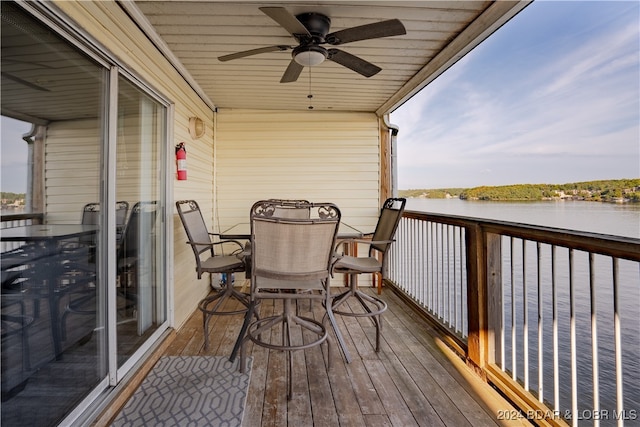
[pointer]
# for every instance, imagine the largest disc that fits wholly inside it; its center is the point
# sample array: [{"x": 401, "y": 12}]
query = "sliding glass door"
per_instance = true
[
  {"x": 139, "y": 180},
  {"x": 83, "y": 245}
]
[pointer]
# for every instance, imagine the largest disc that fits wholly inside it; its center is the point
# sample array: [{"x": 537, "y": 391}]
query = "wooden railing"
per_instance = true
[
  {"x": 549, "y": 316},
  {"x": 17, "y": 220}
]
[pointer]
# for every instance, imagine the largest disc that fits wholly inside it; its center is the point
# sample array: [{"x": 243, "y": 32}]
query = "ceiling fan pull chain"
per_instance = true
[{"x": 310, "y": 96}]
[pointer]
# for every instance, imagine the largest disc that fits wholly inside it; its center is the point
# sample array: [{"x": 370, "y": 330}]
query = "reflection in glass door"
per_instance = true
[
  {"x": 139, "y": 159},
  {"x": 53, "y": 348}
]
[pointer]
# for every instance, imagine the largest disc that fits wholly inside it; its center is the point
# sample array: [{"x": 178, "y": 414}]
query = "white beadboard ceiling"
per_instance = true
[{"x": 195, "y": 33}]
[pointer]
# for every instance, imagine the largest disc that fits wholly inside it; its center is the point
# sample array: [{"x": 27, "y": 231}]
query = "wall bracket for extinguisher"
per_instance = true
[{"x": 181, "y": 161}]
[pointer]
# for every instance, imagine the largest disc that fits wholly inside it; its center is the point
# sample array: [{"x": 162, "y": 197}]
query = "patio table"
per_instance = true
[
  {"x": 46, "y": 238},
  {"x": 242, "y": 231}
]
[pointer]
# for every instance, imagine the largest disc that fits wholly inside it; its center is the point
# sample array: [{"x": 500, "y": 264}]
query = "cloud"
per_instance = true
[{"x": 529, "y": 118}]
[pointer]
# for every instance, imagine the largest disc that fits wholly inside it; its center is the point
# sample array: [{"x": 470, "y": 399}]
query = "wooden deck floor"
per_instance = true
[{"x": 414, "y": 379}]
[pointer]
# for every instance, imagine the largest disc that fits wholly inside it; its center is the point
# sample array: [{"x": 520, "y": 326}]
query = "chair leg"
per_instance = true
[
  {"x": 336, "y": 330},
  {"x": 284, "y": 320},
  {"x": 367, "y": 302},
  {"x": 286, "y": 342},
  {"x": 218, "y": 300},
  {"x": 243, "y": 331}
]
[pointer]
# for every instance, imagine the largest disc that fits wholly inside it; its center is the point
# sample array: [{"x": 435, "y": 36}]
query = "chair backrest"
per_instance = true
[
  {"x": 194, "y": 226},
  {"x": 139, "y": 229},
  {"x": 390, "y": 215},
  {"x": 91, "y": 216},
  {"x": 286, "y": 252},
  {"x": 91, "y": 213},
  {"x": 122, "y": 209},
  {"x": 291, "y": 208}
]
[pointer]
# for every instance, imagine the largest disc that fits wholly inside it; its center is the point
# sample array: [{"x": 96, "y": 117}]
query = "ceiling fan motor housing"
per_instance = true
[{"x": 317, "y": 24}]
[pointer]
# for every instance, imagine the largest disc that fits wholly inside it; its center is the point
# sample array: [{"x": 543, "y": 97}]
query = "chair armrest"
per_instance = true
[
  {"x": 189, "y": 242},
  {"x": 363, "y": 241},
  {"x": 335, "y": 257},
  {"x": 240, "y": 248}
]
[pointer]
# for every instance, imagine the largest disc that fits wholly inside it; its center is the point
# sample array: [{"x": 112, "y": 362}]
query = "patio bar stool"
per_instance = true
[
  {"x": 381, "y": 240},
  {"x": 290, "y": 255},
  {"x": 200, "y": 240}
]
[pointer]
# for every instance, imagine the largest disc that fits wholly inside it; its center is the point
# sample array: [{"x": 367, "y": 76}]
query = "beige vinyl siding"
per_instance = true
[
  {"x": 319, "y": 156},
  {"x": 108, "y": 24},
  {"x": 72, "y": 163}
]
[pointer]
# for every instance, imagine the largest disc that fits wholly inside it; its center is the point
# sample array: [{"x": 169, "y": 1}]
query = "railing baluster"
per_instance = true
[
  {"x": 525, "y": 316},
  {"x": 463, "y": 283},
  {"x": 455, "y": 284},
  {"x": 434, "y": 290},
  {"x": 423, "y": 261},
  {"x": 448, "y": 281},
  {"x": 412, "y": 260},
  {"x": 572, "y": 344},
  {"x": 594, "y": 341},
  {"x": 514, "y": 359},
  {"x": 540, "y": 325},
  {"x": 556, "y": 365},
  {"x": 503, "y": 352},
  {"x": 617, "y": 344},
  {"x": 441, "y": 271}
]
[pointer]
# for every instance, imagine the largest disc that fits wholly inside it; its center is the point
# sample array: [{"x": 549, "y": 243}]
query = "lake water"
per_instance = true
[
  {"x": 619, "y": 219},
  {"x": 596, "y": 217}
]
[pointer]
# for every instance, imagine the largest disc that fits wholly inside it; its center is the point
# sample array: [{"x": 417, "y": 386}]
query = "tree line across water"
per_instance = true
[
  {"x": 9, "y": 198},
  {"x": 614, "y": 190}
]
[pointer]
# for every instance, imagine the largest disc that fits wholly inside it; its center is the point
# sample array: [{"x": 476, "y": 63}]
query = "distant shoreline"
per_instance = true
[{"x": 611, "y": 191}]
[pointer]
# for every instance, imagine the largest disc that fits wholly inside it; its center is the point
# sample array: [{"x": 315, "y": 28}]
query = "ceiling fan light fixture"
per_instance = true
[{"x": 308, "y": 56}]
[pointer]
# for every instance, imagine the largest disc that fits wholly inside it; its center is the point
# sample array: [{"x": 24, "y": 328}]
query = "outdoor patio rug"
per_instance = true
[{"x": 189, "y": 391}]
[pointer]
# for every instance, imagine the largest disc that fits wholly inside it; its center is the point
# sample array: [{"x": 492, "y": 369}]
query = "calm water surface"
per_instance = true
[{"x": 619, "y": 219}]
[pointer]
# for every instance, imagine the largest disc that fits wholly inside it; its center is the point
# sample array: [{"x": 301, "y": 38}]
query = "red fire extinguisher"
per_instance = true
[{"x": 181, "y": 161}]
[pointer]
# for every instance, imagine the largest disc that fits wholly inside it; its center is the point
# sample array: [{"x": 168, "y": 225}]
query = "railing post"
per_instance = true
[
  {"x": 484, "y": 296},
  {"x": 476, "y": 298},
  {"x": 494, "y": 297}
]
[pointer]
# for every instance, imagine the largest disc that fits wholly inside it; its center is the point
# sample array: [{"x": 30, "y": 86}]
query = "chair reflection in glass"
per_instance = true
[
  {"x": 91, "y": 216},
  {"x": 200, "y": 240},
  {"x": 289, "y": 255},
  {"x": 374, "y": 262},
  {"x": 136, "y": 254},
  {"x": 14, "y": 318},
  {"x": 83, "y": 299}
]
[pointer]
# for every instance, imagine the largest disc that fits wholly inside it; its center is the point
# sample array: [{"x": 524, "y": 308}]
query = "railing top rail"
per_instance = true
[
  {"x": 617, "y": 246},
  {"x": 21, "y": 216}
]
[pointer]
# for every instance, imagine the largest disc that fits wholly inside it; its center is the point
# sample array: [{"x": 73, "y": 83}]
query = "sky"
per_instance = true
[
  {"x": 551, "y": 97},
  {"x": 13, "y": 155}
]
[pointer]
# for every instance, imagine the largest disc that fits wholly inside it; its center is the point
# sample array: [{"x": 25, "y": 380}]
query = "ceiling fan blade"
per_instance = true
[
  {"x": 286, "y": 20},
  {"x": 292, "y": 72},
  {"x": 354, "y": 63},
  {"x": 391, "y": 27},
  {"x": 252, "y": 52}
]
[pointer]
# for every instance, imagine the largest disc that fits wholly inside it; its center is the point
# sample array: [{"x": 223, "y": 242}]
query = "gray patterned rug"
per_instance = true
[{"x": 189, "y": 391}]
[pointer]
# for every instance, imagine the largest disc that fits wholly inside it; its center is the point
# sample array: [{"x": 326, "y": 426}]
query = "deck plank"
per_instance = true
[
  {"x": 299, "y": 408},
  {"x": 454, "y": 377},
  {"x": 413, "y": 380}
]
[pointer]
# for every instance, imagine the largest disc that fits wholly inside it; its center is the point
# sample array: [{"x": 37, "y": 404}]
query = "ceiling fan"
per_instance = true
[{"x": 311, "y": 30}]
